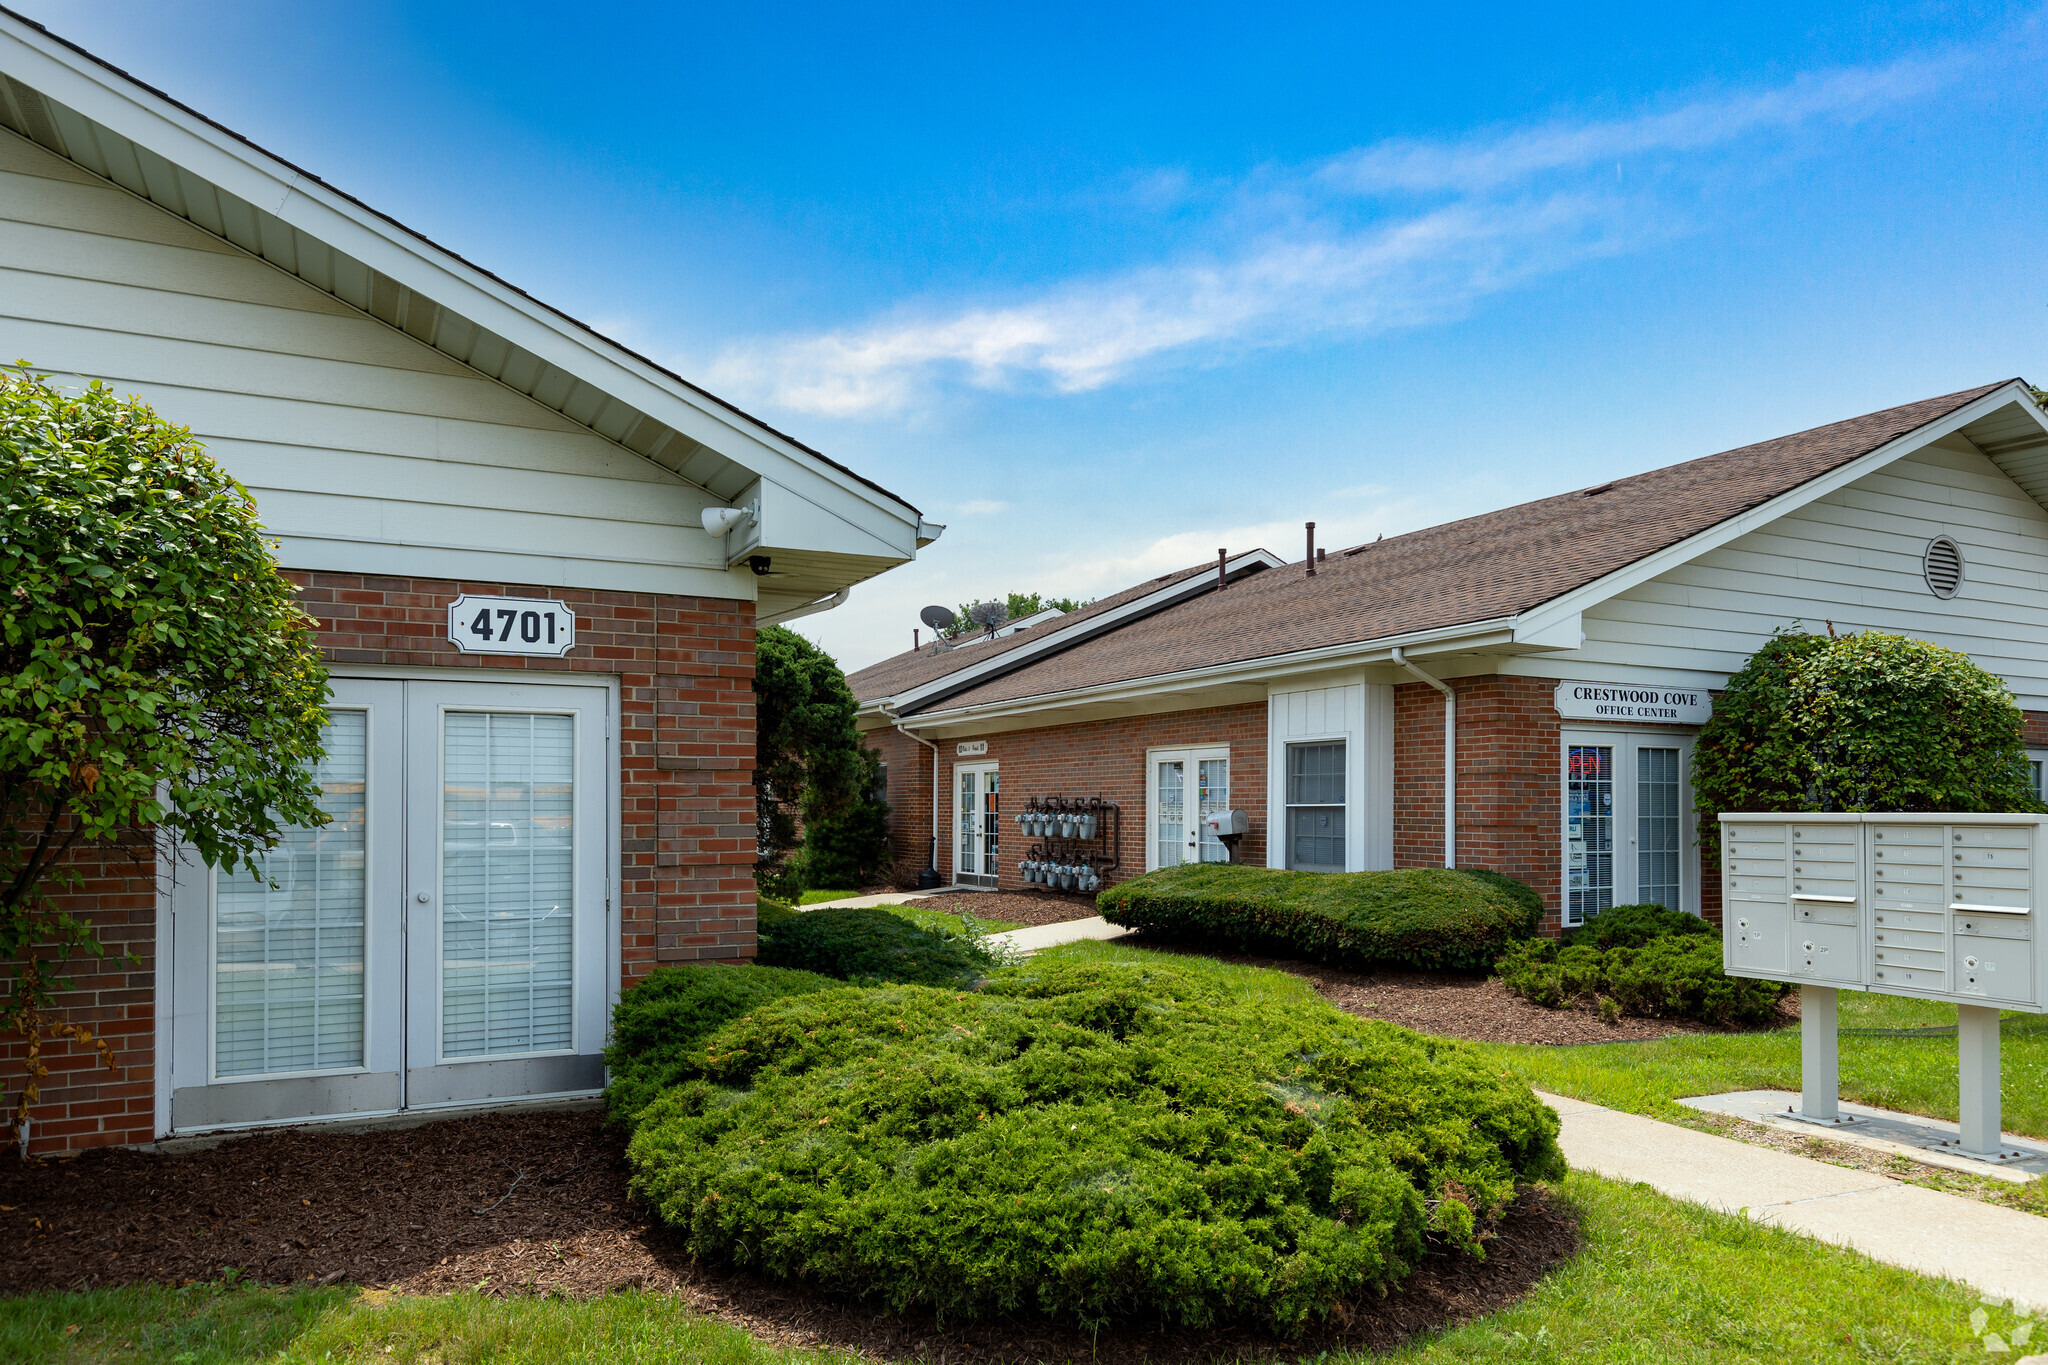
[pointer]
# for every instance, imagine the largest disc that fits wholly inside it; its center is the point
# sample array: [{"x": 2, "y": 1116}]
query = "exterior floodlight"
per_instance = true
[{"x": 719, "y": 520}]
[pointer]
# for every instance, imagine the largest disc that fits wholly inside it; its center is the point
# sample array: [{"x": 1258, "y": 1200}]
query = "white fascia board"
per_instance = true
[
  {"x": 1552, "y": 631},
  {"x": 1471, "y": 636},
  {"x": 1011, "y": 660},
  {"x": 1542, "y": 621},
  {"x": 39, "y": 61}
]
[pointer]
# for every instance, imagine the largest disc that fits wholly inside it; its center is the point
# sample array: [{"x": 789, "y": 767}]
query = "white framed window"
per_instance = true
[
  {"x": 1628, "y": 822},
  {"x": 1315, "y": 806},
  {"x": 2037, "y": 765}
]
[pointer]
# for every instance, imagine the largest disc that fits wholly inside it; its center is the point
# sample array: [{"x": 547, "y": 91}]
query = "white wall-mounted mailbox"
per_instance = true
[{"x": 1942, "y": 906}]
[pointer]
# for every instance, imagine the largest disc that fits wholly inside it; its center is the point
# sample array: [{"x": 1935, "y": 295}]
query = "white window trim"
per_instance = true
[
  {"x": 1277, "y": 832},
  {"x": 2040, "y": 756},
  {"x": 1688, "y": 822}
]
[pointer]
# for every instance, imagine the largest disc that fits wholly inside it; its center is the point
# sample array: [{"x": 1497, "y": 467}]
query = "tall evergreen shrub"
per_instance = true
[{"x": 1869, "y": 722}]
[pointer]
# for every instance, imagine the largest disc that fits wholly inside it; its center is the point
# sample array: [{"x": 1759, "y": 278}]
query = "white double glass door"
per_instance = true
[
  {"x": 1185, "y": 785},
  {"x": 444, "y": 939},
  {"x": 1628, "y": 823},
  {"x": 977, "y": 799}
]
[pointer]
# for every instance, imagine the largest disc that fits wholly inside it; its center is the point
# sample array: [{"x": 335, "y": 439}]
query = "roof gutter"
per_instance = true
[
  {"x": 1450, "y": 754},
  {"x": 931, "y": 866},
  {"x": 807, "y": 609},
  {"x": 1494, "y": 633}
]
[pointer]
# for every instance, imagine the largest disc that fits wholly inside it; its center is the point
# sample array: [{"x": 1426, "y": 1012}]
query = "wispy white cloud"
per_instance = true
[
  {"x": 1294, "y": 253},
  {"x": 1504, "y": 157}
]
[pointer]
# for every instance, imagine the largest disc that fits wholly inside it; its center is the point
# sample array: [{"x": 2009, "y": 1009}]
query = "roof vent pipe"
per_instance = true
[
  {"x": 1222, "y": 577},
  {"x": 1311, "y": 549},
  {"x": 1450, "y": 756}
]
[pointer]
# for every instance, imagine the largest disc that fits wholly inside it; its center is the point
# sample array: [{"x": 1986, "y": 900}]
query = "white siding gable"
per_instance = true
[
  {"x": 367, "y": 450},
  {"x": 1360, "y": 713},
  {"x": 1851, "y": 557}
]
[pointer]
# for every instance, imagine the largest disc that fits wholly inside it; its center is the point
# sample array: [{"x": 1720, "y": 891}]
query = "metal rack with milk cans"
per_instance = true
[{"x": 1078, "y": 842}]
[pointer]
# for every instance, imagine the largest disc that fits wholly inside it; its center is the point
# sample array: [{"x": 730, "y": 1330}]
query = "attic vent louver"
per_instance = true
[{"x": 1942, "y": 566}]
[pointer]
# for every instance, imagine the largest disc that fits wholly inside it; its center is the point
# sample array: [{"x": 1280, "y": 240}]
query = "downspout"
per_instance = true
[
  {"x": 1450, "y": 755},
  {"x": 931, "y": 862}
]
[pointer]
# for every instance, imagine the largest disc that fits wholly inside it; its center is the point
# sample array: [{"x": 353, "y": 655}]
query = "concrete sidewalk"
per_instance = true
[
  {"x": 884, "y": 898},
  {"x": 1997, "y": 1251},
  {"x": 1031, "y": 939},
  {"x": 1036, "y": 937}
]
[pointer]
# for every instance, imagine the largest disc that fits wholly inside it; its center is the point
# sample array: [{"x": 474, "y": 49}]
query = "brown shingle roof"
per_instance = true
[
  {"x": 916, "y": 667},
  {"x": 1486, "y": 567}
]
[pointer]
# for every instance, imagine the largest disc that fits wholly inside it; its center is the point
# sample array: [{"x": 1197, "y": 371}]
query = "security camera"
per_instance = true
[
  {"x": 758, "y": 563},
  {"x": 719, "y": 520}
]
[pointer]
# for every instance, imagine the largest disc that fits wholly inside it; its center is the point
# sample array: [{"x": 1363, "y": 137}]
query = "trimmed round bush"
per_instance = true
[
  {"x": 868, "y": 944},
  {"x": 1093, "y": 1139},
  {"x": 1860, "y": 723},
  {"x": 1432, "y": 918},
  {"x": 661, "y": 1021}
]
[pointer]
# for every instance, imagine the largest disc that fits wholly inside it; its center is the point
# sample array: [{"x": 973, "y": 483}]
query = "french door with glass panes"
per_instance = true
[
  {"x": 1182, "y": 787},
  {"x": 977, "y": 790},
  {"x": 444, "y": 938},
  {"x": 1628, "y": 823}
]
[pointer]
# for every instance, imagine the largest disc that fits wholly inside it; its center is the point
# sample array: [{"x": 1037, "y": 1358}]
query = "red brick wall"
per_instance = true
[
  {"x": 1510, "y": 793},
  {"x": 82, "y": 1103},
  {"x": 685, "y": 742},
  {"x": 1097, "y": 758}
]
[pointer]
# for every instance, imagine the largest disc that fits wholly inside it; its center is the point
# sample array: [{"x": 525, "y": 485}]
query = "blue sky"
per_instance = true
[{"x": 1107, "y": 288}]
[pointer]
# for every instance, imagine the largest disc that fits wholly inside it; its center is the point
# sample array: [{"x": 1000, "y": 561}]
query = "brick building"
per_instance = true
[
  {"x": 537, "y": 561},
  {"x": 1560, "y": 654}
]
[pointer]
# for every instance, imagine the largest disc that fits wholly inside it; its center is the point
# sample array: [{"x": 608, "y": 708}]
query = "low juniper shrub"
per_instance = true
[
  {"x": 661, "y": 1020},
  {"x": 1090, "y": 1138},
  {"x": 1431, "y": 918},
  {"x": 869, "y": 944},
  {"x": 1642, "y": 960},
  {"x": 1632, "y": 926}
]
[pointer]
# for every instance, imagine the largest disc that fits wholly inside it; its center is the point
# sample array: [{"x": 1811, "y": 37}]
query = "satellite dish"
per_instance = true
[
  {"x": 989, "y": 615},
  {"x": 938, "y": 618}
]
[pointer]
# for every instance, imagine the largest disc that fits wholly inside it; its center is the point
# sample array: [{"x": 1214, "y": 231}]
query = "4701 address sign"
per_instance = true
[{"x": 511, "y": 625}]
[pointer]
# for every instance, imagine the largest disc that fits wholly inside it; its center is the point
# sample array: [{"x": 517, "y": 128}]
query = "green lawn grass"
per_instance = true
[
  {"x": 930, "y": 919},
  {"x": 1658, "y": 1281},
  {"x": 1913, "y": 1075}
]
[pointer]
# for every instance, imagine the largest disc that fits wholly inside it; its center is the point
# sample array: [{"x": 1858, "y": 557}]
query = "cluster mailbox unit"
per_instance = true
[{"x": 1940, "y": 906}]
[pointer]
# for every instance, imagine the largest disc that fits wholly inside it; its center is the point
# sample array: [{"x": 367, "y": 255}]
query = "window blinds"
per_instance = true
[
  {"x": 507, "y": 868},
  {"x": 288, "y": 957}
]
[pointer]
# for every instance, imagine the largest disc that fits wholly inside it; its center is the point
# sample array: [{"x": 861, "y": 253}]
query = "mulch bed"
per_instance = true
[
  {"x": 1016, "y": 907},
  {"x": 1479, "y": 1009},
  {"x": 536, "y": 1203}
]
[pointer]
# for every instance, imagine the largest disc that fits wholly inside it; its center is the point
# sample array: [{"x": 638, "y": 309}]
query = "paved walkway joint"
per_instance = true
[{"x": 1997, "y": 1251}]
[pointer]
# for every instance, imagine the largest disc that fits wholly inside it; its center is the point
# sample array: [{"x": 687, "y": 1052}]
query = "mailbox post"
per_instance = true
[{"x": 1934, "y": 906}]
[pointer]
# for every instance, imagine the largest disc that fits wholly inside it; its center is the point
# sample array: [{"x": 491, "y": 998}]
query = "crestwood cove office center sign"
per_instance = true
[{"x": 1629, "y": 701}]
